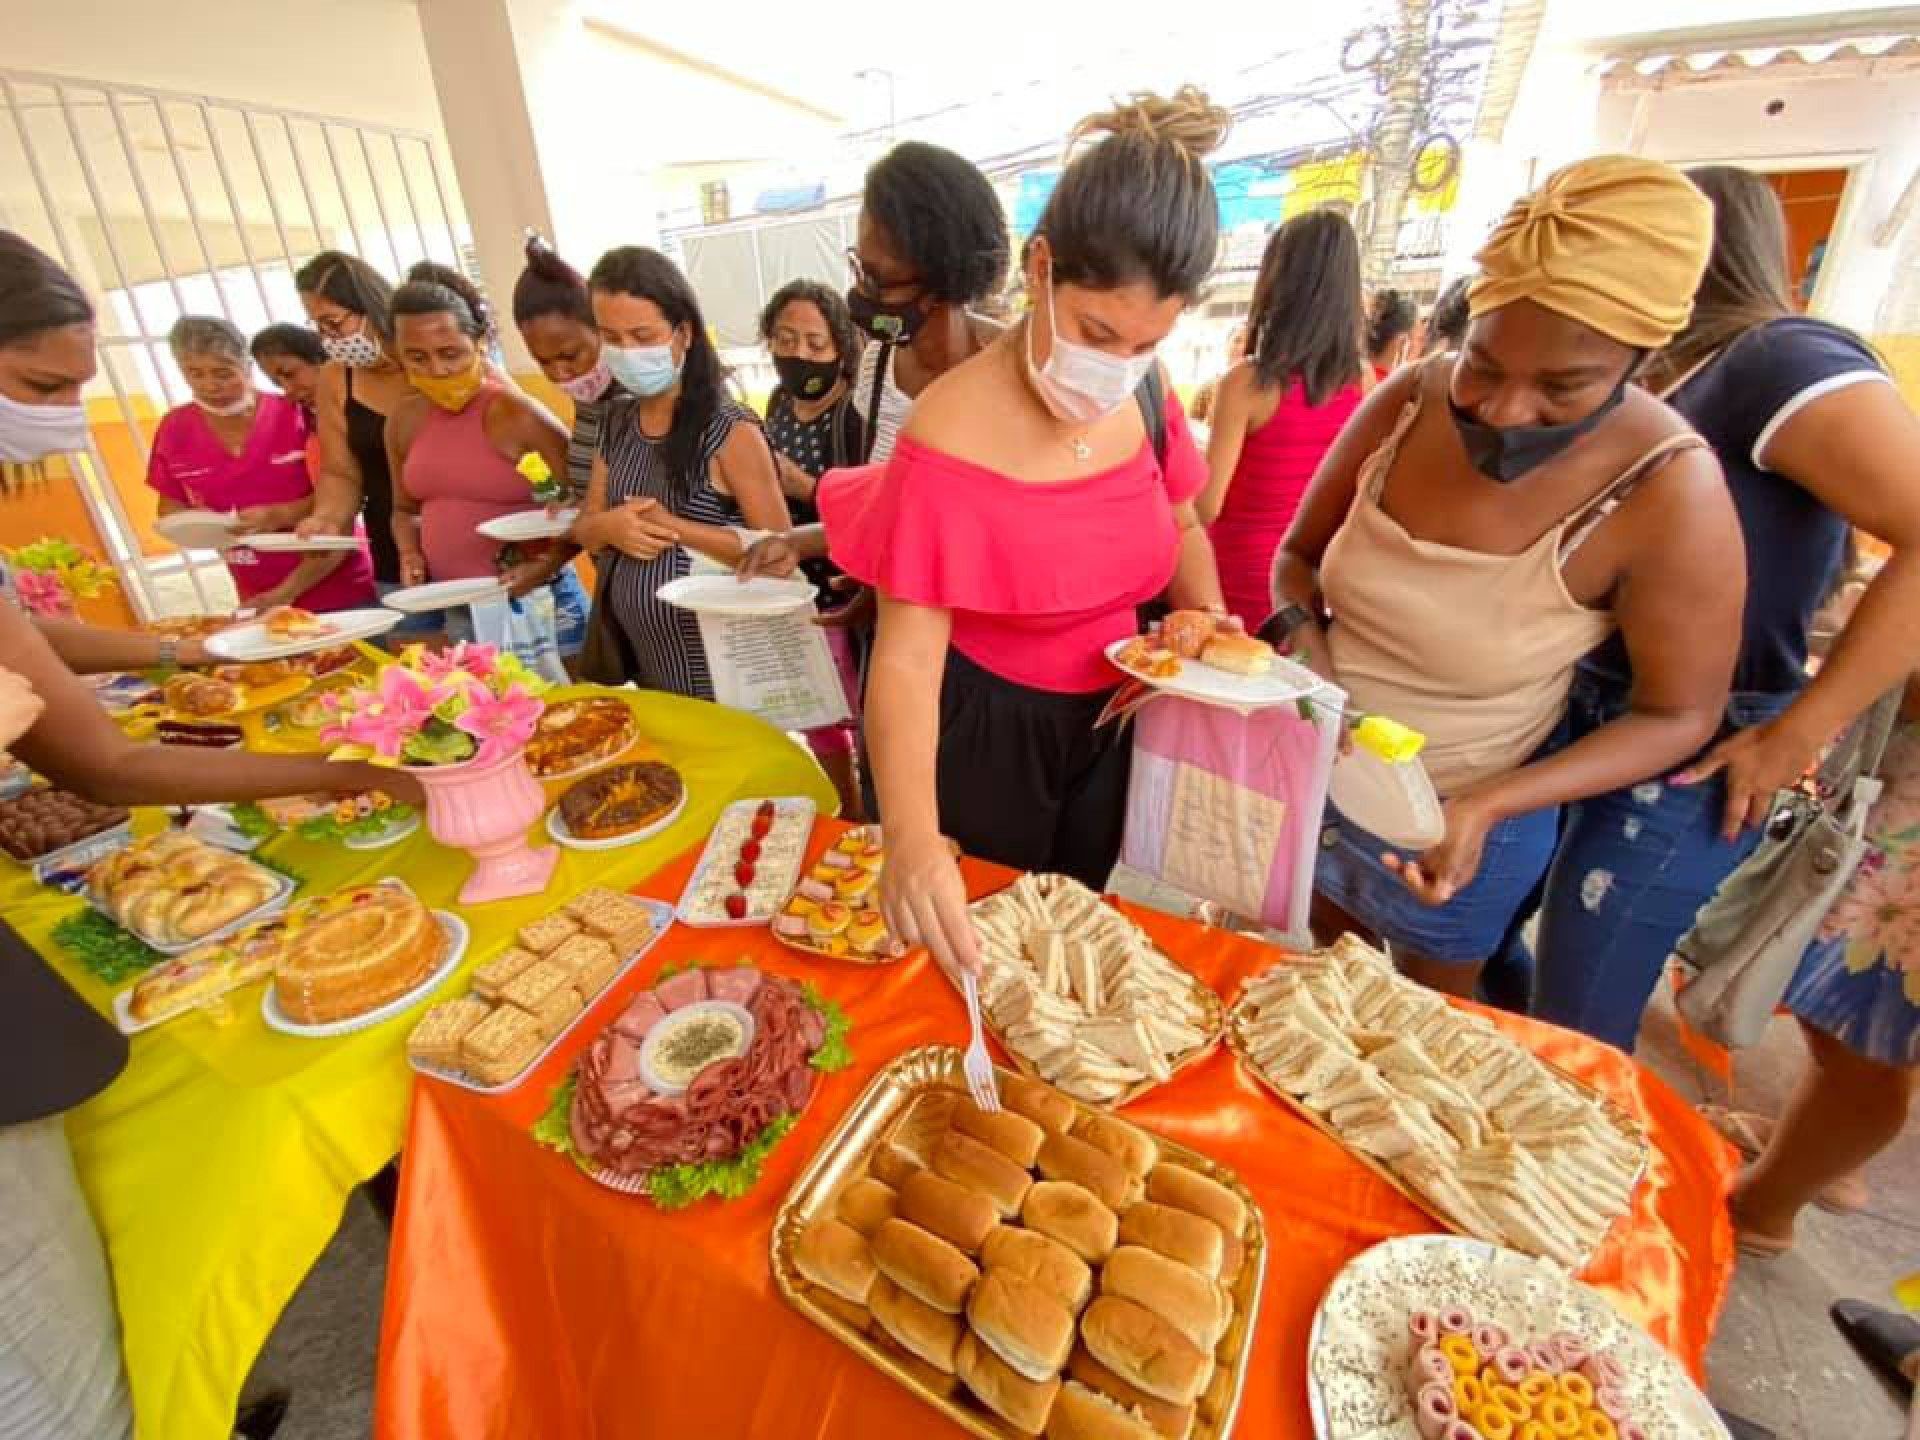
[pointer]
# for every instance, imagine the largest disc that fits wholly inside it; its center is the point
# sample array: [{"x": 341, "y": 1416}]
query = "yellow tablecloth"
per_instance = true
[{"x": 218, "y": 1164}]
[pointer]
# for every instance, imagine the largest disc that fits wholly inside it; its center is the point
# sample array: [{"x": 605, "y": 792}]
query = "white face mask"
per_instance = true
[
  {"x": 1079, "y": 383},
  {"x": 227, "y": 412},
  {"x": 32, "y": 432},
  {"x": 359, "y": 349}
]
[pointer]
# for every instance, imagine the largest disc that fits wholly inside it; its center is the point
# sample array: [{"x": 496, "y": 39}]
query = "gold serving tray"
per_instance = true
[
  {"x": 1238, "y": 1019},
  {"x": 908, "y": 1103},
  {"x": 1209, "y": 1003}
]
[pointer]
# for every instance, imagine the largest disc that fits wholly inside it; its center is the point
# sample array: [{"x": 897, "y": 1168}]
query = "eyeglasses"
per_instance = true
[
  {"x": 336, "y": 327},
  {"x": 873, "y": 286}
]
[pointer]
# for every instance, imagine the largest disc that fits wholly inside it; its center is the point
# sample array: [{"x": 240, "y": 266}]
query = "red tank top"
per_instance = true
[{"x": 458, "y": 479}]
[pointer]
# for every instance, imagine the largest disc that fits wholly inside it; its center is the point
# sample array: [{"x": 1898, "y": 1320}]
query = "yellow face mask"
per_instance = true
[{"x": 451, "y": 392}]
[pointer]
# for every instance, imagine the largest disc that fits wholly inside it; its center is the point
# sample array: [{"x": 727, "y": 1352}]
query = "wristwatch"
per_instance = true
[
  {"x": 169, "y": 658},
  {"x": 1278, "y": 627}
]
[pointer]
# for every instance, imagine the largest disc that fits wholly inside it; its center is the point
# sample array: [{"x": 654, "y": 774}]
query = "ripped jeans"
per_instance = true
[{"x": 1632, "y": 869}]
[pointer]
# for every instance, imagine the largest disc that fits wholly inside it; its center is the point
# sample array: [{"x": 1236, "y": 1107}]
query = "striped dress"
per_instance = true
[
  {"x": 665, "y": 640},
  {"x": 583, "y": 442}
]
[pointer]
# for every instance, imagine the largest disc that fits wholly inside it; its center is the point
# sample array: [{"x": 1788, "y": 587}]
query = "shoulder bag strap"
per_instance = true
[
  {"x": 1151, "y": 396},
  {"x": 880, "y": 363}
]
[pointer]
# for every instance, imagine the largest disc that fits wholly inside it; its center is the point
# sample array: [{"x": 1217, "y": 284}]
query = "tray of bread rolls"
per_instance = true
[
  {"x": 1082, "y": 998},
  {"x": 1050, "y": 1269},
  {"x": 1471, "y": 1126}
]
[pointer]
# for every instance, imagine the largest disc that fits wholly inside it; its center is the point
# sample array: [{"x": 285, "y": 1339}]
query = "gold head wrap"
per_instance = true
[{"x": 1615, "y": 242}]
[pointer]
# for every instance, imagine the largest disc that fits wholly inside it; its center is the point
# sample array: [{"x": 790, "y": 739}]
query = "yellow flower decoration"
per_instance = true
[
  {"x": 533, "y": 466},
  {"x": 1387, "y": 739}
]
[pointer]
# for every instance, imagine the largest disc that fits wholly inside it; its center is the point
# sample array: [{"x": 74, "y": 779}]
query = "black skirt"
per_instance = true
[
  {"x": 1025, "y": 780},
  {"x": 55, "y": 1049}
]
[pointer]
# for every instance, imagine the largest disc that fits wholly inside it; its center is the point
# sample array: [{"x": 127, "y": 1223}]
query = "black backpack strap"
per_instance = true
[{"x": 1152, "y": 399}]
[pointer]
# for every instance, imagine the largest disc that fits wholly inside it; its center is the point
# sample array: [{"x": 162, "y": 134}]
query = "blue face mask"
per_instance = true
[{"x": 642, "y": 369}]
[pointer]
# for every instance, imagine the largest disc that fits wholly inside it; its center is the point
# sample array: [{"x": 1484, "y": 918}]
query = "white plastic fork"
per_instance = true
[{"x": 979, "y": 1065}]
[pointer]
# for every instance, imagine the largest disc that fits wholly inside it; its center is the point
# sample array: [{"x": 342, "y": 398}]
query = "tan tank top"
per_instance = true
[{"x": 1476, "y": 651}]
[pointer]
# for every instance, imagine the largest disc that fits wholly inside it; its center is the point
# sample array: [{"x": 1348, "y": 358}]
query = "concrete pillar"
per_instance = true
[{"x": 480, "y": 80}]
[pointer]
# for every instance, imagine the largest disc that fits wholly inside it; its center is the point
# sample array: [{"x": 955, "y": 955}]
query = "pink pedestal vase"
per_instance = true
[{"x": 486, "y": 810}]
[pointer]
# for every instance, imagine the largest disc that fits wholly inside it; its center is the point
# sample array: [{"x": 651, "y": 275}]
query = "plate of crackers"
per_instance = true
[{"x": 524, "y": 1001}]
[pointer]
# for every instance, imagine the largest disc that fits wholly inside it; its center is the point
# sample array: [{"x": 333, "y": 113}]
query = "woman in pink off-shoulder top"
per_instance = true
[{"x": 1008, "y": 556}]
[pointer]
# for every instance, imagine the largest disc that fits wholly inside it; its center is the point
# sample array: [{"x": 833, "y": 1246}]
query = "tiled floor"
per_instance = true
[{"x": 1776, "y": 1360}]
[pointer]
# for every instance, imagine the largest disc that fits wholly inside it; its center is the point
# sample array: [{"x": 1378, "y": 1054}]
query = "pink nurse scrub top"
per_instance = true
[{"x": 190, "y": 466}]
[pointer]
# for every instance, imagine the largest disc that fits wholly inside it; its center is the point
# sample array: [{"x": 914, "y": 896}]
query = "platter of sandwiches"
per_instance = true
[
  {"x": 1082, "y": 998},
  {"x": 1045, "y": 1270},
  {"x": 288, "y": 630},
  {"x": 1468, "y": 1124},
  {"x": 1205, "y": 658}
]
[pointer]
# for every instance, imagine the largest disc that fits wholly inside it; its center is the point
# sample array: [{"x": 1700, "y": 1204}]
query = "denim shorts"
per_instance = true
[{"x": 1469, "y": 927}]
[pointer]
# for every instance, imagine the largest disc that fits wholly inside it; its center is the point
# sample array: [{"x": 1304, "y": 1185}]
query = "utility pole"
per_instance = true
[{"x": 1405, "y": 65}]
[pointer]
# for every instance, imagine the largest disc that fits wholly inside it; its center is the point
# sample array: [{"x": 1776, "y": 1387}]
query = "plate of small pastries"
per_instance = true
[
  {"x": 834, "y": 909},
  {"x": 573, "y": 736},
  {"x": 618, "y": 805},
  {"x": 1432, "y": 1337},
  {"x": 41, "y": 822},
  {"x": 1081, "y": 997},
  {"x": 191, "y": 696},
  {"x": 1206, "y": 658},
  {"x": 172, "y": 891},
  {"x": 1047, "y": 1269},
  {"x": 289, "y": 630},
  {"x": 1466, "y": 1122},
  {"x": 369, "y": 953},
  {"x": 523, "y": 1001}
]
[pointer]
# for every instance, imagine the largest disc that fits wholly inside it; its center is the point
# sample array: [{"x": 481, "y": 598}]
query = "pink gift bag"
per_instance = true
[{"x": 1225, "y": 805}]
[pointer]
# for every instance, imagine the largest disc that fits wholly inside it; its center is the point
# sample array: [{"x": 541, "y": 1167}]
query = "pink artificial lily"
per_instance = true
[
  {"x": 41, "y": 593},
  {"x": 500, "y": 723},
  {"x": 469, "y": 659},
  {"x": 392, "y": 713}
]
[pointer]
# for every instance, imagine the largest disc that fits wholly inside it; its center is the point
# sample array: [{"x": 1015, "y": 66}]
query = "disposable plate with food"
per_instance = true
[
  {"x": 763, "y": 596},
  {"x": 750, "y": 864},
  {"x": 444, "y": 594},
  {"x": 200, "y": 529},
  {"x": 524, "y": 525},
  {"x": 557, "y": 828},
  {"x": 251, "y": 641},
  {"x": 456, "y": 935},
  {"x": 1284, "y": 684},
  {"x": 286, "y": 542}
]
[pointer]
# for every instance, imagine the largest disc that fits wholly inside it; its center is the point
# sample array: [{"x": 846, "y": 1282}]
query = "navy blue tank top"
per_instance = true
[{"x": 1795, "y": 544}]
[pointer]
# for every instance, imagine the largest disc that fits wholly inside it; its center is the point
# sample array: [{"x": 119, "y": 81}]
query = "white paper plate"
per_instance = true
[
  {"x": 557, "y": 828},
  {"x": 1687, "y": 1413},
  {"x": 525, "y": 525},
  {"x": 1396, "y": 802},
  {"x": 444, "y": 594},
  {"x": 663, "y": 1030},
  {"x": 724, "y": 595},
  {"x": 284, "y": 542},
  {"x": 659, "y": 912},
  {"x": 451, "y": 926},
  {"x": 1285, "y": 683},
  {"x": 250, "y": 642},
  {"x": 385, "y": 837},
  {"x": 199, "y": 529}
]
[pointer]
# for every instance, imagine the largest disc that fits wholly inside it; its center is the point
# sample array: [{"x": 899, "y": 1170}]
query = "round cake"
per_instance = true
[
  {"x": 620, "y": 800},
  {"x": 378, "y": 945},
  {"x": 577, "y": 733}
]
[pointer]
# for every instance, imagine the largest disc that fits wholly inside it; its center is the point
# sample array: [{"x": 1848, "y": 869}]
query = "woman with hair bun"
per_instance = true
[
  {"x": 1008, "y": 556},
  {"x": 1391, "y": 317},
  {"x": 453, "y": 450},
  {"x": 554, "y": 314}
]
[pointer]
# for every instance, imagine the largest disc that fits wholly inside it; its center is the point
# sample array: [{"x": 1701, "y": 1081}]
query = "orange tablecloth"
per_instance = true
[{"x": 523, "y": 1299}]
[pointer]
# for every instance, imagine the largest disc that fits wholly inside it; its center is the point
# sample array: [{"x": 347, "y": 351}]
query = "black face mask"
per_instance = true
[
  {"x": 889, "y": 324},
  {"x": 806, "y": 379},
  {"x": 1504, "y": 455}
]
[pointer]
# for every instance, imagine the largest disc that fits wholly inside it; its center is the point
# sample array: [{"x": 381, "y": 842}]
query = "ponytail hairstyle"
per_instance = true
[
  {"x": 1447, "y": 321},
  {"x": 1746, "y": 281},
  {"x": 296, "y": 341},
  {"x": 1305, "y": 319},
  {"x": 648, "y": 275},
  {"x": 352, "y": 284},
  {"x": 549, "y": 286},
  {"x": 434, "y": 289},
  {"x": 1139, "y": 205},
  {"x": 1391, "y": 315},
  {"x": 36, "y": 295}
]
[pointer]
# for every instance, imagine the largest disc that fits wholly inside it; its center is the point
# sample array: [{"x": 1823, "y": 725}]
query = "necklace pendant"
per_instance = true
[{"x": 1081, "y": 449}]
